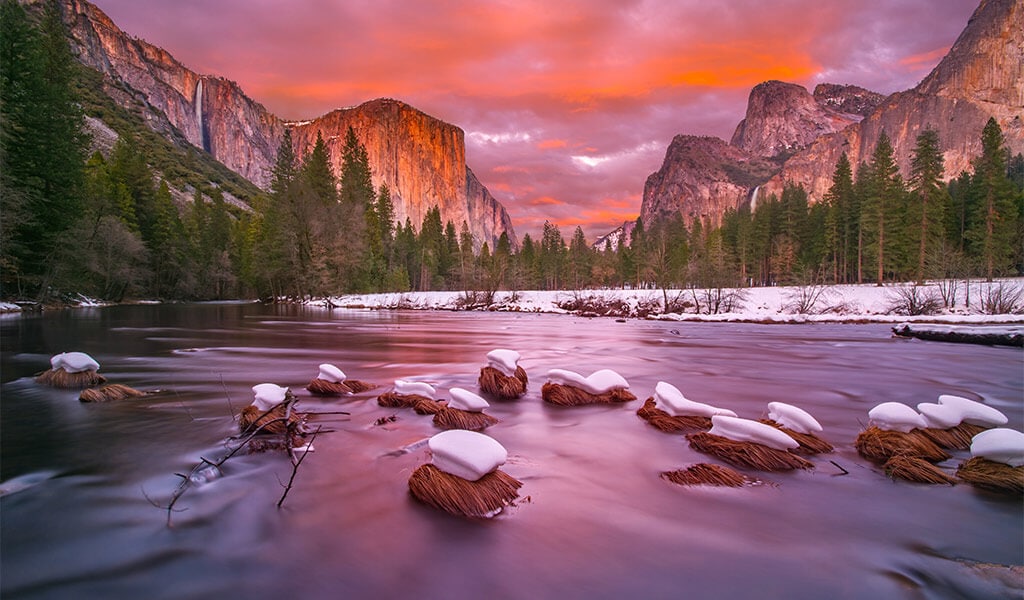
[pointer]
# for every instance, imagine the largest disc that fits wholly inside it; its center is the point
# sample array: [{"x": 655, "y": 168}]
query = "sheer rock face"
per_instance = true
[
  {"x": 981, "y": 76},
  {"x": 783, "y": 117},
  {"x": 421, "y": 159},
  {"x": 694, "y": 180}
]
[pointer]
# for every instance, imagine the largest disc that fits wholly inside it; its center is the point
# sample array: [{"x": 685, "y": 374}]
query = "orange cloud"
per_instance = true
[
  {"x": 544, "y": 201},
  {"x": 924, "y": 59},
  {"x": 551, "y": 144}
]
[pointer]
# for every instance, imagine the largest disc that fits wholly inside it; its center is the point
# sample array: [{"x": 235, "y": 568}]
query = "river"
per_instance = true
[{"x": 594, "y": 519}]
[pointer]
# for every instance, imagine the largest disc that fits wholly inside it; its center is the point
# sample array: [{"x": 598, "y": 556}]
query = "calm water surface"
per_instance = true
[{"x": 594, "y": 520}]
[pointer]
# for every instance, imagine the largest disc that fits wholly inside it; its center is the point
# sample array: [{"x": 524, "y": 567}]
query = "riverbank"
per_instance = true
[
  {"x": 998, "y": 302},
  {"x": 1001, "y": 301}
]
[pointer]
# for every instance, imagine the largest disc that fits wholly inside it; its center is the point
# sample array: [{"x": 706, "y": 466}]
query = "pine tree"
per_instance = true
[
  {"x": 926, "y": 173},
  {"x": 882, "y": 195},
  {"x": 841, "y": 221},
  {"x": 42, "y": 147},
  {"x": 997, "y": 209}
]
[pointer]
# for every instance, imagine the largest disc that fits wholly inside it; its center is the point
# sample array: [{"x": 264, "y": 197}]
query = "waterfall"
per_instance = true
[
  {"x": 198, "y": 101},
  {"x": 753, "y": 199}
]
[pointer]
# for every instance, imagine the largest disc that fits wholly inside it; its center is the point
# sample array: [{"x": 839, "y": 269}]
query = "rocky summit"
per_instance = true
[
  {"x": 421, "y": 159},
  {"x": 790, "y": 135}
]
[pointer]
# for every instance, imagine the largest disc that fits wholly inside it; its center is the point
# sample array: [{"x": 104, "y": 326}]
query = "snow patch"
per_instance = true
[{"x": 466, "y": 454}]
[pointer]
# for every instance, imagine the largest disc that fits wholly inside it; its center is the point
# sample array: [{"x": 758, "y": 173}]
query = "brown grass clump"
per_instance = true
[
  {"x": 993, "y": 476},
  {"x": 912, "y": 468},
  {"x": 809, "y": 443},
  {"x": 707, "y": 474},
  {"x": 879, "y": 445},
  {"x": 322, "y": 387},
  {"x": 669, "y": 424},
  {"x": 59, "y": 378},
  {"x": 109, "y": 393},
  {"x": 421, "y": 404},
  {"x": 954, "y": 438},
  {"x": 271, "y": 421},
  {"x": 482, "y": 498},
  {"x": 454, "y": 418},
  {"x": 566, "y": 395},
  {"x": 501, "y": 386},
  {"x": 358, "y": 387},
  {"x": 747, "y": 454}
]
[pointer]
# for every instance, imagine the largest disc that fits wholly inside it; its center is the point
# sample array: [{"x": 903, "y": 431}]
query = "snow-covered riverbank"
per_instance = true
[{"x": 842, "y": 303}]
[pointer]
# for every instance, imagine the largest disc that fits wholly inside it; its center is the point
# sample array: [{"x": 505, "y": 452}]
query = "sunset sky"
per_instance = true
[{"x": 567, "y": 105}]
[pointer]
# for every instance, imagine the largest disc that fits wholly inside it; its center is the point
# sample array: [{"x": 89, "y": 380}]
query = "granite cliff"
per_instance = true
[
  {"x": 420, "y": 158},
  {"x": 789, "y": 134}
]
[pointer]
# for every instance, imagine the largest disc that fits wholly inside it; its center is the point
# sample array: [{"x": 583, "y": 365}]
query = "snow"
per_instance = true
[
  {"x": 745, "y": 430},
  {"x": 503, "y": 360},
  {"x": 668, "y": 398},
  {"x": 466, "y": 454},
  {"x": 1000, "y": 445},
  {"x": 940, "y": 416},
  {"x": 329, "y": 372},
  {"x": 599, "y": 382},
  {"x": 893, "y": 416},
  {"x": 419, "y": 388},
  {"x": 840, "y": 303},
  {"x": 8, "y": 307},
  {"x": 463, "y": 399},
  {"x": 974, "y": 413},
  {"x": 74, "y": 362},
  {"x": 268, "y": 395},
  {"x": 793, "y": 417}
]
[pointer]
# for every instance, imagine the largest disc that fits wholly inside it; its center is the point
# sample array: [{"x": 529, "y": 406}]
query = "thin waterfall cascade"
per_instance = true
[
  {"x": 753, "y": 198},
  {"x": 198, "y": 103}
]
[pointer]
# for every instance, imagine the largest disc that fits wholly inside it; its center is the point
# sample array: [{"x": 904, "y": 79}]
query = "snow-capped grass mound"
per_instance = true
[
  {"x": 1000, "y": 445},
  {"x": 893, "y": 416},
  {"x": 745, "y": 430},
  {"x": 599, "y": 382},
  {"x": 466, "y": 454},
  {"x": 505, "y": 361}
]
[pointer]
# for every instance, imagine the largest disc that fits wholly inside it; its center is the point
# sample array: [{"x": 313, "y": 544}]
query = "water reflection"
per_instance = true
[{"x": 595, "y": 520}]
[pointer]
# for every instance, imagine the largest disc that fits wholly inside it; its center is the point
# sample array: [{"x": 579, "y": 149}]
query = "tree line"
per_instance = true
[{"x": 111, "y": 227}]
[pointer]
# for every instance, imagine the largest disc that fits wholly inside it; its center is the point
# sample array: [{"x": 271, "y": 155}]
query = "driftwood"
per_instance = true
[
  {"x": 454, "y": 418},
  {"x": 421, "y": 404},
  {"x": 567, "y": 395},
  {"x": 111, "y": 392},
  {"x": 954, "y": 438},
  {"x": 482, "y": 498},
  {"x": 263, "y": 433},
  {"x": 501, "y": 386},
  {"x": 879, "y": 445},
  {"x": 809, "y": 443},
  {"x": 671, "y": 424},
  {"x": 707, "y": 474},
  {"x": 918, "y": 470},
  {"x": 747, "y": 454},
  {"x": 992, "y": 476},
  {"x": 59, "y": 378},
  {"x": 962, "y": 335}
]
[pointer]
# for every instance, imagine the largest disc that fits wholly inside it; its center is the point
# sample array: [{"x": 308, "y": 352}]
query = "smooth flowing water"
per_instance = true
[{"x": 594, "y": 519}]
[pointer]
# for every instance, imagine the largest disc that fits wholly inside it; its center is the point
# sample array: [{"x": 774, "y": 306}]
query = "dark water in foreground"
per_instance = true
[{"x": 595, "y": 521}]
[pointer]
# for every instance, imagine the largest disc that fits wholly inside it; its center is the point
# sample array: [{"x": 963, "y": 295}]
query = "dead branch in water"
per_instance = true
[
  {"x": 295, "y": 465},
  {"x": 277, "y": 428}
]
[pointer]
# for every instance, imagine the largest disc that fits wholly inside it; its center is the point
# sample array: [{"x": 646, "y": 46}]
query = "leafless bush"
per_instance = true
[
  {"x": 1002, "y": 298},
  {"x": 716, "y": 300},
  {"x": 808, "y": 299},
  {"x": 910, "y": 300},
  {"x": 474, "y": 299}
]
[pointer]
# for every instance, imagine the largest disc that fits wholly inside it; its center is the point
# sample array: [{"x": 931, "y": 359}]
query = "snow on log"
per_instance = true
[{"x": 1002, "y": 335}]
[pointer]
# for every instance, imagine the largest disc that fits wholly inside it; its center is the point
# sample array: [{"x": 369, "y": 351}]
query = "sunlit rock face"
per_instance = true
[
  {"x": 420, "y": 158},
  {"x": 980, "y": 77}
]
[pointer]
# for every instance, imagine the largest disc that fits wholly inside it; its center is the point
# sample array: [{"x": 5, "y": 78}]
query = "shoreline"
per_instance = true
[{"x": 851, "y": 303}]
